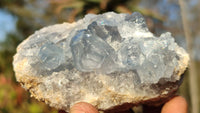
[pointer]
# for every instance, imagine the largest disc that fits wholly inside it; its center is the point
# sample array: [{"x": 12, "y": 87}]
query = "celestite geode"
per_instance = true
[{"x": 108, "y": 60}]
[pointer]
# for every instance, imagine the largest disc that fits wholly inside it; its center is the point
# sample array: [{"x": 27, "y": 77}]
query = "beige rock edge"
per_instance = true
[{"x": 51, "y": 89}]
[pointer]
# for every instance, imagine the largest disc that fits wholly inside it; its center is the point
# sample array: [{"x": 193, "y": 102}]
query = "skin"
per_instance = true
[
  {"x": 176, "y": 105},
  {"x": 83, "y": 107}
]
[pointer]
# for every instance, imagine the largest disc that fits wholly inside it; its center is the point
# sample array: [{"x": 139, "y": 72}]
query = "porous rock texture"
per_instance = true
[{"x": 109, "y": 60}]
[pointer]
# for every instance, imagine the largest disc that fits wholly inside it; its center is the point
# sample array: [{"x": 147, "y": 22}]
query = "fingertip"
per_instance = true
[
  {"x": 175, "y": 105},
  {"x": 83, "y": 107}
]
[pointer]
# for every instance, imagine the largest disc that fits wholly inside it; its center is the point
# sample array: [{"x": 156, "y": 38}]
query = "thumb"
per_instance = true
[
  {"x": 83, "y": 107},
  {"x": 176, "y": 105}
]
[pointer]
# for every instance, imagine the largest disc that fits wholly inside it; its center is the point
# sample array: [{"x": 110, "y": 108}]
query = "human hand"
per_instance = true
[
  {"x": 175, "y": 105},
  {"x": 83, "y": 107}
]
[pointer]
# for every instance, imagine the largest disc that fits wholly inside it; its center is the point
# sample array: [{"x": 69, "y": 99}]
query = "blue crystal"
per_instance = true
[
  {"x": 51, "y": 56},
  {"x": 90, "y": 52}
]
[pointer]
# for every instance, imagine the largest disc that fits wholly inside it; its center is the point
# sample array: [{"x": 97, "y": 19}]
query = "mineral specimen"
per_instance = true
[{"x": 109, "y": 60}]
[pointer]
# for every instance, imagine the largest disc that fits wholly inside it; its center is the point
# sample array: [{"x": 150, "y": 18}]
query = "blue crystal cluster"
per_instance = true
[
  {"x": 139, "y": 50},
  {"x": 104, "y": 44}
]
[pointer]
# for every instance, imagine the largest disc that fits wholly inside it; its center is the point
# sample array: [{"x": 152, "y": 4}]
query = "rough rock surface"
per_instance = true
[{"x": 109, "y": 60}]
